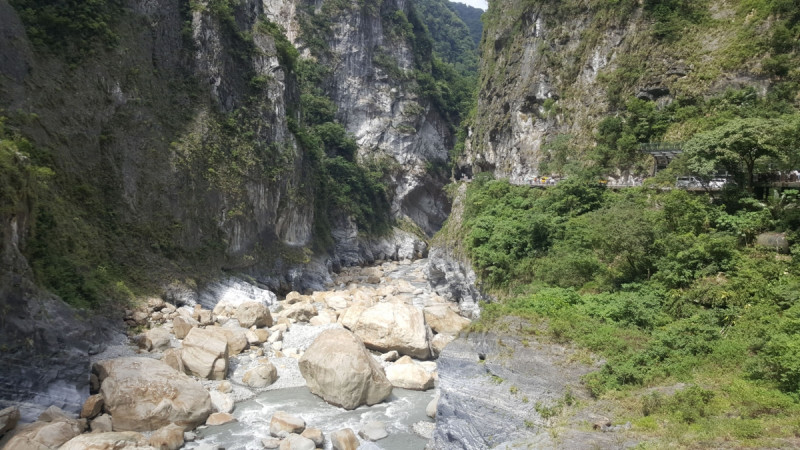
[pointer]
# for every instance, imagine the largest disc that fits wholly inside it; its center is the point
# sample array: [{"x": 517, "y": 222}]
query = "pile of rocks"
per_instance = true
[
  {"x": 290, "y": 433},
  {"x": 351, "y": 346}
]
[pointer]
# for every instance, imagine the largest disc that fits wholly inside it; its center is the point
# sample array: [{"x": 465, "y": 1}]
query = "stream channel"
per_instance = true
[{"x": 404, "y": 412}]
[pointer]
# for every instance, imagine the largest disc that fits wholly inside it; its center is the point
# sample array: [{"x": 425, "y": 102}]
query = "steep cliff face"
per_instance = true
[
  {"x": 161, "y": 153},
  {"x": 372, "y": 64},
  {"x": 551, "y": 71}
]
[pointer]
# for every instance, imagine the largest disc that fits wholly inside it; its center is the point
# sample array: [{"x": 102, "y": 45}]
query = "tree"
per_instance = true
[{"x": 740, "y": 144}]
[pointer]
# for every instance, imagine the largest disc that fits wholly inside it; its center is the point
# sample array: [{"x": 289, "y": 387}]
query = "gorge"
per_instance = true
[{"x": 159, "y": 158}]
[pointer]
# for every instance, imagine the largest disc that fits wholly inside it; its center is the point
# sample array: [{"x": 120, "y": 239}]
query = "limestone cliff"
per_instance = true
[
  {"x": 551, "y": 71},
  {"x": 160, "y": 156}
]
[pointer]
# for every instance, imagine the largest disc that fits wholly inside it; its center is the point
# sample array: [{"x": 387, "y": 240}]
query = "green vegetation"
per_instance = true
[
  {"x": 472, "y": 19},
  {"x": 705, "y": 124},
  {"x": 342, "y": 184},
  {"x": 665, "y": 285},
  {"x": 452, "y": 39},
  {"x": 66, "y": 246},
  {"x": 71, "y": 28}
]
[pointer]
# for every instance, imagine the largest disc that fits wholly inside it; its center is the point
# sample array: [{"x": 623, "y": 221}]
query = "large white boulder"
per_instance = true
[
  {"x": 406, "y": 374},
  {"x": 261, "y": 376},
  {"x": 143, "y": 394},
  {"x": 394, "y": 326},
  {"x": 344, "y": 439},
  {"x": 442, "y": 319},
  {"x": 338, "y": 368},
  {"x": 205, "y": 353},
  {"x": 252, "y": 313},
  {"x": 301, "y": 312},
  {"x": 283, "y": 424},
  {"x": 182, "y": 324}
]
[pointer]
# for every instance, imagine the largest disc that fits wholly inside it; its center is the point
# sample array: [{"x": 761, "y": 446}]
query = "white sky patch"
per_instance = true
[{"x": 476, "y": 3}]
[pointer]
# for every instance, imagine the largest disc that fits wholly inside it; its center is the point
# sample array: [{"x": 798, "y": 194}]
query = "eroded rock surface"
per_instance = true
[
  {"x": 143, "y": 394},
  {"x": 338, "y": 368}
]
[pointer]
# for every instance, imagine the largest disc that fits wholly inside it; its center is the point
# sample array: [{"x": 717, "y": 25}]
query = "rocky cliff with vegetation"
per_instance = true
[
  {"x": 585, "y": 82},
  {"x": 155, "y": 147},
  {"x": 683, "y": 302}
]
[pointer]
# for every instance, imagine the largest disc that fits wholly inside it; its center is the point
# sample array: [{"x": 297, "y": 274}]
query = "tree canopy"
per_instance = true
[{"x": 742, "y": 145}]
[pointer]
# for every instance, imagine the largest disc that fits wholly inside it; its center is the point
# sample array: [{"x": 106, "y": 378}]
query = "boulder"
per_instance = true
[
  {"x": 181, "y": 326},
  {"x": 169, "y": 437},
  {"x": 221, "y": 402},
  {"x": 338, "y": 368},
  {"x": 344, "y": 439},
  {"x": 293, "y": 297},
  {"x": 439, "y": 342},
  {"x": 219, "y": 418},
  {"x": 156, "y": 303},
  {"x": 9, "y": 418},
  {"x": 205, "y": 354},
  {"x": 107, "y": 441},
  {"x": 203, "y": 316},
  {"x": 301, "y": 312},
  {"x": 390, "y": 356},
  {"x": 225, "y": 387},
  {"x": 774, "y": 241},
  {"x": 442, "y": 319},
  {"x": 409, "y": 376},
  {"x": 173, "y": 358},
  {"x": 42, "y": 435},
  {"x": 394, "y": 326},
  {"x": 92, "y": 406},
  {"x": 257, "y": 337},
  {"x": 261, "y": 376},
  {"x": 157, "y": 339},
  {"x": 324, "y": 317},
  {"x": 349, "y": 317},
  {"x": 225, "y": 296},
  {"x": 143, "y": 394},
  {"x": 55, "y": 414},
  {"x": 373, "y": 431},
  {"x": 271, "y": 443},
  {"x": 336, "y": 302},
  {"x": 235, "y": 336},
  {"x": 101, "y": 424},
  {"x": 297, "y": 442},
  {"x": 252, "y": 313},
  {"x": 430, "y": 410},
  {"x": 316, "y": 436},
  {"x": 283, "y": 424}
]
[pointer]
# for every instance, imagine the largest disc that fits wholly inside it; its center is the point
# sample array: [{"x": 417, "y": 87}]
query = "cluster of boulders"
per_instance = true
[
  {"x": 180, "y": 379},
  {"x": 289, "y": 432},
  {"x": 56, "y": 429}
]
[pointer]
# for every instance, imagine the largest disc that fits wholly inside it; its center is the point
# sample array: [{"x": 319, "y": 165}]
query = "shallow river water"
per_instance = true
[
  {"x": 400, "y": 412},
  {"x": 403, "y": 412}
]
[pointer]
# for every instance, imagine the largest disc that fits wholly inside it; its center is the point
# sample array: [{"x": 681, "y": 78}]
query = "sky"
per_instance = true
[{"x": 476, "y": 3}]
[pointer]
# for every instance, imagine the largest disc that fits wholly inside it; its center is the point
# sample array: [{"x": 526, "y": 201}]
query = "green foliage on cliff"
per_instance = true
[
  {"x": 67, "y": 246},
  {"x": 667, "y": 286},
  {"x": 69, "y": 27},
  {"x": 693, "y": 119},
  {"x": 342, "y": 185},
  {"x": 471, "y": 17},
  {"x": 452, "y": 39}
]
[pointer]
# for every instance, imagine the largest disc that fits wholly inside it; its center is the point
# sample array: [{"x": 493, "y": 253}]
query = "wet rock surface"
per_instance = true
[{"x": 493, "y": 387}]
